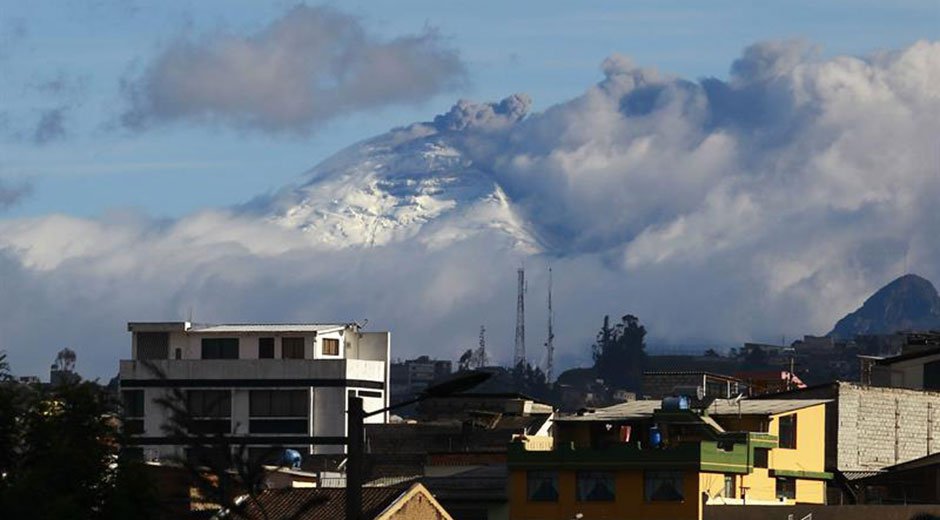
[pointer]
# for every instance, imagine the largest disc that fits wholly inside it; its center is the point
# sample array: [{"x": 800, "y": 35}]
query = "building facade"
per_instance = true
[
  {"x": 652, "y": 459},
  {"x": 255, "y": 385}
]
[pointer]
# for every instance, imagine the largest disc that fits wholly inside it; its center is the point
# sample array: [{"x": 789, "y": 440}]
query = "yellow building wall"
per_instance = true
[
  {"x": 630, "y": 502},
  {"x": 809, "y": 455}
]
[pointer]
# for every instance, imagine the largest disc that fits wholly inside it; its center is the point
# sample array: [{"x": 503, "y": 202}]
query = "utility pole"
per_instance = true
[
  {"x": 519, "y": 352},
  {"x": 550, "y": 342}
]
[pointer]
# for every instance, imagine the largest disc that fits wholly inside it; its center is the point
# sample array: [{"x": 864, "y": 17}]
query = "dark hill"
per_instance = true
[{"x": 908, "y": 303}]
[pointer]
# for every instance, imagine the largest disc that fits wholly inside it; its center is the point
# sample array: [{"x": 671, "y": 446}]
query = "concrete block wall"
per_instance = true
[{"x": 880, "y": 427}]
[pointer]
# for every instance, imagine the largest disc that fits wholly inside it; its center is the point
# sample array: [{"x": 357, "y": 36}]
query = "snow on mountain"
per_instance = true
[{"x": 411, "y": 183}]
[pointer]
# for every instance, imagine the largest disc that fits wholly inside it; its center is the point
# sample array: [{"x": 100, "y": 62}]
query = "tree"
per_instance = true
[
  {"x": 530, "y": 381},
  {"x": 619, "y": 353},
  {"x": 62, "y": 459},
  {"x": 712, "y": 353}
]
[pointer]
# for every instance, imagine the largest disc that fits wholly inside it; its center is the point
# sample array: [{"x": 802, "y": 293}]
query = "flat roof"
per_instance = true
[
  {"x": 645, "y": 408},
  {"x": 917, "y": 354},
  {"x": 185, "y": 326}
]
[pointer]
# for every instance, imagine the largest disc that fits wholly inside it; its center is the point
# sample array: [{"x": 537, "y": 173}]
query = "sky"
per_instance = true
[{"x": 135, "y": 119}]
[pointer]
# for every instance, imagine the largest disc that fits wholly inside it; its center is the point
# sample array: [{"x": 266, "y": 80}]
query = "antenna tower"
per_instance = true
[
  {"x": 519, "y": 352},
  {"x": 550, "y": 342},
  {"x": 482, "y": 347}
]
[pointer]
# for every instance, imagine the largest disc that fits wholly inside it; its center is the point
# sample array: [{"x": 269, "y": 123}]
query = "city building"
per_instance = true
[
  {"x": 256, "y": 385},
  {"x": 692, "y": 383},
  {"x": 414, "y": 375},
  {"x": 758, "y": 382},
  {"x": 918, "y": 369},
  {"x": 869, "y": 429},
  {"x": 660, "y": 459}
]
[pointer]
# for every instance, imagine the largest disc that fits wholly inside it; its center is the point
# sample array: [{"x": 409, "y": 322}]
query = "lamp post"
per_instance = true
[{"x": 355, "y": 426}]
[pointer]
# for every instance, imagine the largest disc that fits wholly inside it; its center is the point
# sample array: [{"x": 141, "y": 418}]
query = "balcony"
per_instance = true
[
  {"x": 733, "y": 453},
  {"x": 241, "y": 372}
]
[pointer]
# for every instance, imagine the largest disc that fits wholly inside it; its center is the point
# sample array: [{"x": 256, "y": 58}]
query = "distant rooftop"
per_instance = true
[
  {"x": 645, "y": 408},
  {"x": 185, "y": 326}
]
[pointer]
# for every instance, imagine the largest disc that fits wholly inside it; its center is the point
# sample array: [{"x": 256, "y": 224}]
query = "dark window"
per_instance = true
[
  {"x": 932, "y": 375},
  {"x": 663, "y": 486},
  {"x": 219, "y": 348},
  {"x": 179, "y": 353},
  {"x": 788, "y": 432},
  {"x": 760, "y": 457},
  {"x": 133, "y": 426},
  {"x": 133, "y": 403},
  {"x": 786, "y": 487},
  {"x": 369, "y": 393},
  {"x": 595, "y": 486},
  {"x": 292, "y": 348},
  {"x": 542, "y": 486},
  {"x": 209, "y": 403},
  {"x": 153, "y": 345},
  {"x": 265, "y": 348},
  {"x": 278, "y": 403},
  {"x": 330, "y": 346},
  {"x": 277, "y": 426},
  {"x": 729, "y": 486}
]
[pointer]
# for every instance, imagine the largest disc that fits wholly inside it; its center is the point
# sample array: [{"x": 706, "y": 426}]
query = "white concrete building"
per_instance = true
[{"x": 259, "y": 385}]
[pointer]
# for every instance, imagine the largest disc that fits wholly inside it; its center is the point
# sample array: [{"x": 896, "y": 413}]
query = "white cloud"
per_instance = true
[
  {"x": 716, "y": 211},
  {"x": 303, "y": 69}
]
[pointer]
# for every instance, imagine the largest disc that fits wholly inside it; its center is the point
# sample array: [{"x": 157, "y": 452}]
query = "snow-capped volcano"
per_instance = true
[{"x": 411, "y": 183}]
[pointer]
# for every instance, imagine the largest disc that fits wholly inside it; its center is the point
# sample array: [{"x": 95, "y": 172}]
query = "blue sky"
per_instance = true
[{"x": 550, "y": 50}]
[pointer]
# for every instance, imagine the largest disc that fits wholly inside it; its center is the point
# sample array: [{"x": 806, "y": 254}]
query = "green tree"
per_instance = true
[
  {"x": 62, "y": 459},
  {"x": 620, "y": 353}
]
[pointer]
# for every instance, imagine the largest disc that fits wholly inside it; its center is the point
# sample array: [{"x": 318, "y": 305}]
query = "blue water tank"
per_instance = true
[
  {"x": 656, "y": 437},
  {"x": 291, "y": 458}
]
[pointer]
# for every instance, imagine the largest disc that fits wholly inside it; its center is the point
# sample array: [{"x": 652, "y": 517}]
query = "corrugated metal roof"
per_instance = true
[{"x": 645, "y": 408}]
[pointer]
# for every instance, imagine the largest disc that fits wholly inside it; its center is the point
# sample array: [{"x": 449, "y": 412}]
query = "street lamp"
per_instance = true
[{"x": 355, "y": 420}]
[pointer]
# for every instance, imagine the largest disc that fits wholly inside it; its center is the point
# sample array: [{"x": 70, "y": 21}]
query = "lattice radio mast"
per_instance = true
[
  {"x": 550, "y": 342},
  {"x": 519, "y": 352}
]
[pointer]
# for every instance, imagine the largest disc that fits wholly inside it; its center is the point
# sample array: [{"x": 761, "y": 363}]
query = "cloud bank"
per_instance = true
[
  {"x": 719, "y": 211},
  {"x": 303, "y": 69}
]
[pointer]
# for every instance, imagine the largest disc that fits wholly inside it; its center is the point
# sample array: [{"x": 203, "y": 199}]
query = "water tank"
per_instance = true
[
  {"x": 656, "y": 437},
  {"x": 291, "y": 458}
]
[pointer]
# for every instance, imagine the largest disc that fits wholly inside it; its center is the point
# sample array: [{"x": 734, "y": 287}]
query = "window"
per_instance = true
[
  {"x": 369, "y": 393},
  {"x": 932, "y": 375},
  {"x": 179, "y": 353},
  {"x": 330, "y": 346},
  {"x": 219, "y": 348},
  {"x": 542, "y": 486},
  {"x": 133, "y": 411},
  {"x": 663, "y": 486},
  {"x": 278, "y": 403},
  {"x": 595, "y": 486},
  {"x": 729, "y": 486},
  {"x": 760, "y": 457},
  {"x": 210, "y": 410},
  {"x": 786, "y": 488},
  {"x": 209, "y": 403},
  {"x": 292, "y": 348},
  {"x": 265, "y": 348},
  {"x": 788, "y": 432},
  {"x": 153, "y": 345},
  {"x": 133, "y": 403}
]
